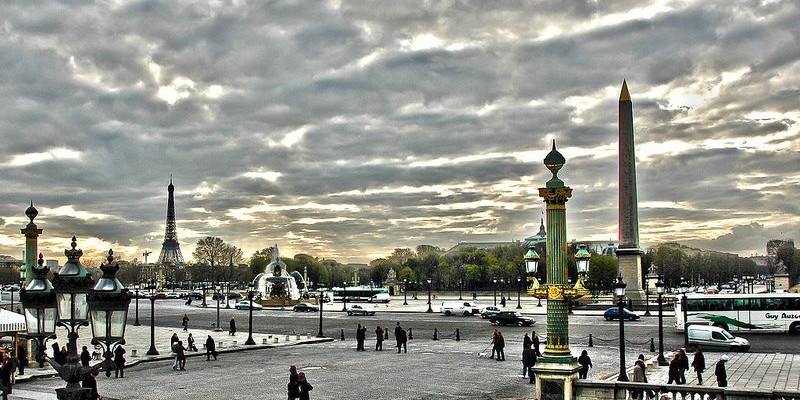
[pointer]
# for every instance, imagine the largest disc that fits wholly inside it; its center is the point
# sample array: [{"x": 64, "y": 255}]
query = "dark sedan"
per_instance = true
[
  {"x": 305, "y": 307},
  {"x": 511, "y": 318},
  {"x": 613, "y": 313}
]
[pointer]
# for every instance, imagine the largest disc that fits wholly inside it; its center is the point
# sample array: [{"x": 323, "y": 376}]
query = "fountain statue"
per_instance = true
[{"x": 276, "y": 283}]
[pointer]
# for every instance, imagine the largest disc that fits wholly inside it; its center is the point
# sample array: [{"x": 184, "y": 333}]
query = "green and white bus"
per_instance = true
[
  {"x": 760, "y": 312},
  {"x": 362, "y": 293}
]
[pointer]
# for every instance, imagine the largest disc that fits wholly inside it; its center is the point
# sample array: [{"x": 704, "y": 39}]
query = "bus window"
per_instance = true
[
  {"x": 741, "y": 304},
  {"x": 772, "y": 304},
  {"x": 793, "y": 304},
  {"x": 694, "y": 305}
]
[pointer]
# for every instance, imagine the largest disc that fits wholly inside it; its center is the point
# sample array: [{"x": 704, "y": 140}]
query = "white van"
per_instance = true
[
  {"x": 460, "y": 307},
  {"x": 714, "y": 337}
]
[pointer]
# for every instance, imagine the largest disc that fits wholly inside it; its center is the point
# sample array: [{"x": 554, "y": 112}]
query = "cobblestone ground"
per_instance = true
[{"x": 443, "y": 369}]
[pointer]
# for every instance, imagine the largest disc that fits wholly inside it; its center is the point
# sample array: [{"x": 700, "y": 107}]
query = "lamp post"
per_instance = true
[
  {"x": 646, "y": 300},
  {"x": 39, "y": 301},
  {"x": 344, "y": 296},
  {"x": 619, "y": 292},
  {"x": 519, "y": 292},
  {"x": 250, "y": 293},
  {"x": 218, "y": 293},
  {"x": 319, "y": 334},
  {"x": 228, "y": 296},
  {"x": 430, "y": 310},
  {"x": 539, "y": 304},
  {"x": 460, "y": 287},
  {"x": 151, "y": 289},
  {"x": 494, "y": 286},
  {"x": 684, "y": 291},
  {"x": 108, "y": 305},
  {"x": 660, "y": 291},
  {"x": 405, "y": 292},
  {"x": 136, "y": 291},
  {"x": 204, "y": 287}
]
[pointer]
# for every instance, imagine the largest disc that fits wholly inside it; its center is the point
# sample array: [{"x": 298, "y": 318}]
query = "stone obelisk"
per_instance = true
[{"x": 629, "y": 255}]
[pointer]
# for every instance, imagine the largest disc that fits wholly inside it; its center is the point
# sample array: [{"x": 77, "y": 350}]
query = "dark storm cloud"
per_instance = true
[{"x": 347, "y": 115}]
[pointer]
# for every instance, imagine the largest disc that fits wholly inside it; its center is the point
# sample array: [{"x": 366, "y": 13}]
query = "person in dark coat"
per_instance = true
[
  {"x": 62, "y": 354},
  {"x": 211, "y": 348},
  {"x": 526, "y": 341},
  {"x": 22, "y": 359},
  {"x": 56, "y": 353},
  {"x": 699, "y": 365},
  {"x": 528, "y": 356},
  {"x": 181, "y": 354},
  {"x": 378, "y": 339},
  {"x": 502, "y": 300},
  {"x": 232, "y": 330},
  {"x": 397, "y": 336},
  {"x": 361, "y": 336},
  {"x": 494, "y": 343},
  {"x": 535, "y": 339},
  {"x": 585, "y": 363},
  {"x": 185, "y": 323},
  {"x": 720, "y": 372},
  {"x": 304, "y": 387},
  {"x": 684, "y": 366},
  {"x": 190, "y": 343},
  {"x": 85, "y": 356},
  {"x": 90, "y": 382},
  {"x": 675, "y": 370},
  {"x": 501, "y": 344},
  {"x": 6, "y": 371},
  {"x": 119, "y": 362},
  {"x": 293, "y": 388},
  {"x": 402, "y": 341},
  {"x": 173, "y": 339}
]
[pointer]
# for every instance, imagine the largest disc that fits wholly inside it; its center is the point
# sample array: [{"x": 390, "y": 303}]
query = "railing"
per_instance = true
[{"x": 607, "y": 390}]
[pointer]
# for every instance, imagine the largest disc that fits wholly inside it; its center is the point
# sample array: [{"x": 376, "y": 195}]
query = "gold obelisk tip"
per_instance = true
[{"x": 624, "y": 95}]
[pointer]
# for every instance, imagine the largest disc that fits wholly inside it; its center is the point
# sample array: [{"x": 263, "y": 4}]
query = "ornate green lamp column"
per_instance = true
[{"x": 557, "y": 368}]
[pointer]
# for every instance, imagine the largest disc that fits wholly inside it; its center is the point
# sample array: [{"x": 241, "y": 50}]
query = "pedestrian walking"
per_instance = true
[
  {"x": 90, "y": 382},
  {"x": 176, "y": 364},
  {"x": 232, "y": 330},
  {"x": 361, "y": 336},
  {"x": 526, "y": 341},
  {"x": 119, "y": 362},
  {"x": 640, "y": 376},
  {"x": 397, "y": 329},
  {"x": 402, "y": 341},
  {"x": 684, "y": 366},
  {"x": 585, "y": 363},
  {"x": 6, "y": 372},
  {"x": 304, "y": 387},
  {"x": 674, "y": 372},
  {"x": 531, "y": 374},
  {"x": 85, "y": 356},
  {"x": 502, "y": 301},
  {"x": 378, "y": 339},
  {"x": 181, "y": 356},
  {"x": 494, "y": 343},
  {"x": 699, "y": 365},
  {"x": 190, "y": 343},
  {"x": 185, "y": 323},
  {"x": 293, "y": 388},
  {"x": 720, "y": 372},
  {"x": 22, "y": 359},
  {"x": 173, "y": 339},
  {"x": 528, "y": 356},
  {"x": 535, "y": 339},
  {"x": 62, "y": 354},
  {"x": 501, "y": 344},
  {"x": 211, "y": 349}
]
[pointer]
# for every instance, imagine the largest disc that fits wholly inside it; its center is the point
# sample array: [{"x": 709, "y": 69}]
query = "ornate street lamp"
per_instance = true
[
  {"x": 582, "y": 259},
  {"x": 430, "y": 310},
  {"x": 108, "y": 305},
  {"x": 251, "y": 291},
  {"x": 152, "y": 351},
  {"x": 519, "y": 292},
  {"x": 494, "y": 286},
  {"x": 660, "y": 291},
  {"x": 204, "y": 287},
  {"x": 344, "y": 296},
  {"x": 405, "y": 292},
  {"x": 531, "y": 261},
  {"x": 619, "y": 292},
  {"x": 684, "y": 291},
  {"x": 218, "y": 294},
  {"x": 39, "y": 301},
  {"x": 136, "y": 291},
  {"x": 539, "y": 304},
  {"x": 319, "y": 334}
]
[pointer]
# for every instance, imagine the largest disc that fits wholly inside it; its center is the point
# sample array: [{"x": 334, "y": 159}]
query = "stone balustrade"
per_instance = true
[{"x": 607, "y": 390}]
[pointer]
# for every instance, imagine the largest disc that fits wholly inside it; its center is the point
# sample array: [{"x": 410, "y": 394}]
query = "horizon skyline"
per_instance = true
[{"x": 346, "y": 129}]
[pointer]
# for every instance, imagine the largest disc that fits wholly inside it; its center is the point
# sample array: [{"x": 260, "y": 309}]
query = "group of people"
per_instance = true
[
  {"x": 680, "y": 364},
  {"x": 179, "y": 351},
  {"x": 498, "y": 345},
  {"x": 400, "y": 336},
  {"x": 298, "y": 387}
]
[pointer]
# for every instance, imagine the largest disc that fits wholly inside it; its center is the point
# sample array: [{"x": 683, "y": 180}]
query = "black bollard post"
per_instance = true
[
  {"x": 342, "y": 333},
  {"x": 458, "y": 335},
  {"x": 410, "y": 334},
  {"x": 591, "y": 343},
  {"x": 386, "y": 334},
  {"x": 435, "y": 334},
  {"x": 652, "y": 345}
]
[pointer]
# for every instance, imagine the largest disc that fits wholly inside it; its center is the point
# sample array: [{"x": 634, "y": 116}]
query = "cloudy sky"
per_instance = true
[{"x": 344, "y": 129}]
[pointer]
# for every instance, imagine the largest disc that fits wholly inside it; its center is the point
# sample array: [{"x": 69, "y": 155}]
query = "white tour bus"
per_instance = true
[{"x": 760, "y": 312}]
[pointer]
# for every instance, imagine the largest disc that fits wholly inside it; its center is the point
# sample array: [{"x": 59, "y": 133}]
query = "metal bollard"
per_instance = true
[
  {"x": 652, "y": 345},
  {"x": 591, "y": 343},
  {"x": 264, "y": 341},
  {"x": 219, "y": 344},
  {"x": 133, "y": 353},
  {"x": 410, "y": 334},
  {"x": 342, "y": 333},
  {"x": 458, "y": 335},
  {"x": 386, "y": 334},
  {"x": 277, "y": 340},
  {"x": 435, "y": 334}
]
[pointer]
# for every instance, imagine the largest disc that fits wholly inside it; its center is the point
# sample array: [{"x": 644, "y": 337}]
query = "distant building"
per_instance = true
[{"x": 10, "y": 262}]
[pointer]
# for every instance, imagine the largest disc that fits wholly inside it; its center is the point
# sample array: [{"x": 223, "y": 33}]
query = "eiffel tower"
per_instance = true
[{"x": 171, "y": 249}]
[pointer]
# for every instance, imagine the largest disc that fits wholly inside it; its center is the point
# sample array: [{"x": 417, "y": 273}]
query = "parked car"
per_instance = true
[
  {"x": 359, "y": 309},
  {"x": 511, "y": 318},
  {"x": 305, "y": 307},
  {"x": 488, "y": 311},
  {"x": 194, "y": 296},
  {"x": 231, "y": 296},
  {"x": 173, "y": 295},
  {"x": 613, "y": 313},
  {"x": 247, "y": 304},
  {"x": 459, "y": 307},
  {"x": 161, "y": 296},
  {"x": 714, "y": 337}
]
